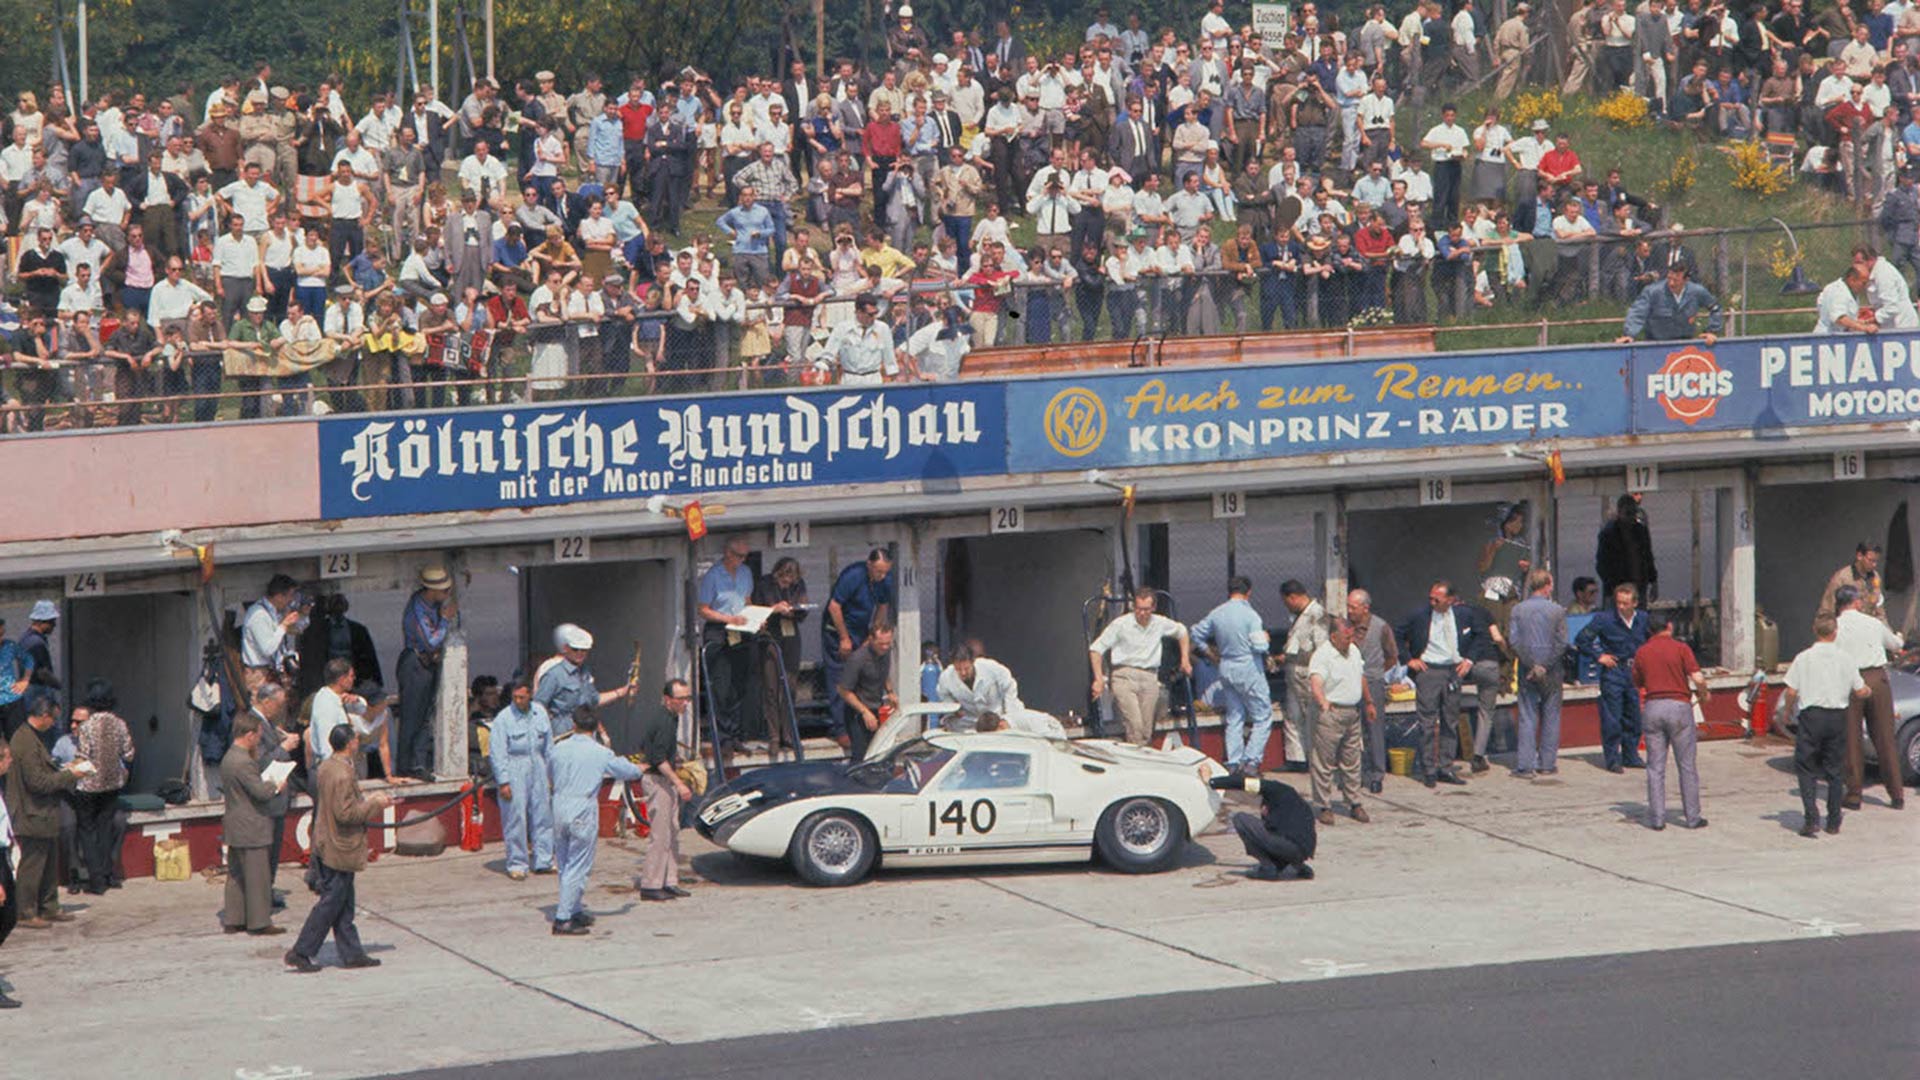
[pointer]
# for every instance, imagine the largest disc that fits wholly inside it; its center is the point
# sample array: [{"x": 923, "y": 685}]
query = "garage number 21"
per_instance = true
[{"x": 981, "y": 816}]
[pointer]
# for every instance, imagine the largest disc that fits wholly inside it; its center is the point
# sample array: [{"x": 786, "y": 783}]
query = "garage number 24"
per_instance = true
[{"x": 981, "y": 816}]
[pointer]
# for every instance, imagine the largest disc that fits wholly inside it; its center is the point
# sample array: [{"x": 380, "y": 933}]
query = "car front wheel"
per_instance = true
[
  {"x": 833, "y": 847},
  {"x": 1906, "y": 742},
  {"x": 1141, "y": 835}
]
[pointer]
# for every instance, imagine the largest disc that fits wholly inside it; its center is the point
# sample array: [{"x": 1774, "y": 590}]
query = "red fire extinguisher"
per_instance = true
[{"x": 470, "y": 824}]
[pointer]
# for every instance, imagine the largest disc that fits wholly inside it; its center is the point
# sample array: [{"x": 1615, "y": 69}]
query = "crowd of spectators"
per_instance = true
[{"x": 338, "y": 247}]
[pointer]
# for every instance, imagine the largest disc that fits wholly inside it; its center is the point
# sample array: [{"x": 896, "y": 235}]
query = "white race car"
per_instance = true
[{"x": 949, "y": 798}]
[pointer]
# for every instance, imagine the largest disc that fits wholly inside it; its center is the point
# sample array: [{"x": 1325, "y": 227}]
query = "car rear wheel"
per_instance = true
[
  {"x": 833, "y": 847},
  {"x": 1140, "y": 835}
]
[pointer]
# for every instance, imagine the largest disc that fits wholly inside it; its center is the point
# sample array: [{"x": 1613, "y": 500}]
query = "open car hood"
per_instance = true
[{"x": 907, "y": 722}]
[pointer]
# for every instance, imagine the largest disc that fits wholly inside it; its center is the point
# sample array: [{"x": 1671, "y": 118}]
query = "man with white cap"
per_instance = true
[
  {"x": 566, "y": 684},
  {"x": 424, "y": 628}
]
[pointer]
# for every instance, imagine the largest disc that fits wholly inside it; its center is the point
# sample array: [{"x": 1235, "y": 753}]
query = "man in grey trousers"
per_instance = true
[
  {"x": 1537, "y": 633},
  {"x": 248, "y": 829},
  {"x": 1669, "y": 679},
  {"x": 1377, "y": 648}
]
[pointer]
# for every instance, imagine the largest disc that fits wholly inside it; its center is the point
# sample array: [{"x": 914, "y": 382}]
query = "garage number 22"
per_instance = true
[{"x": 981, "y": 816}]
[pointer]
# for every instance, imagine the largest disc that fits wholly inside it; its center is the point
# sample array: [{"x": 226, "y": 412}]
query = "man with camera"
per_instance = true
[{"x": 270, "y": 631}]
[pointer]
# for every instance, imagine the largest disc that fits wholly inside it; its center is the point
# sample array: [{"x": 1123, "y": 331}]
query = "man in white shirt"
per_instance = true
[
  {"x": 977, "y": 685},
  {"x": 236, "y": 268},
  {"x": 1867, "y": 641},
  {"x": 1337, "y": 676},
  {"x": 82, "y": 293},
  {"x": 171, "y": 299},
  {"x": 863, "y": 349},
  {"x": 84, "y": 248},
  {"x": 937, "y": 349},
  {"x": 485, "y": 176},
  {"x": 1214, "y": 28},
  {"x": 1466, "y": 43},
  {"x": 268, "y": 633},
  {"x": 329, "y": 709},
  {"x": 1887, "y": 291},
  {"x": 1823, "y": 683},
  {"x": 1133, "y": 645},
  {"x": 249, "y": 198},
  {"x": 1840, "y": 306},
  {"x": 1446, "y": 143},
  {"x": 109, "y": 209}
]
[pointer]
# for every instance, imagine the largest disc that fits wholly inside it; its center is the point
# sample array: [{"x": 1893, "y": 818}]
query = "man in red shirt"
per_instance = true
[
  {"x": 1560, "y": 164},
  {"x": 636, "y": 105},
  {"x": 989, "y": 280},
  {"x": 881, "y": 139},
  {"x": 1669, "y": 679},
  {"x": 1375, "y": 243}
]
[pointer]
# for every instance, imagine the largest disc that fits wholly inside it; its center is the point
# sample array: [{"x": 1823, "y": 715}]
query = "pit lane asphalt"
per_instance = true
[{"x": 1830, "y": 1006}]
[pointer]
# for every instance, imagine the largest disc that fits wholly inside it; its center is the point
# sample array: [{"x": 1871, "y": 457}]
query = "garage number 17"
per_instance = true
[{"x": 981, "y": 816}]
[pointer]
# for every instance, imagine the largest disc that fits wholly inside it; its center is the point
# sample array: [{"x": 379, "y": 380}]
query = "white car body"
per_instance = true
[{"x": 951, "y": 798}]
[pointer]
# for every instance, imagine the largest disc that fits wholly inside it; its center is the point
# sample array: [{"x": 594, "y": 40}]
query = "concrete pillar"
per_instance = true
[
  {"x": 450, "y": 710},
  {"x": 1734, "y": 508},
  {"x": 906, "y": 634},
  {"x": 1330, "y": 534}
]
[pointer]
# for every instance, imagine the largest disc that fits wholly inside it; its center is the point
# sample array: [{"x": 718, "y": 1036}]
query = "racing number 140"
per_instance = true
[{"x": 981, "y": 815}]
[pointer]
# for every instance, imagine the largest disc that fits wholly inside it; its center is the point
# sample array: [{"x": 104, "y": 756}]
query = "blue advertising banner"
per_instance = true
[
  {"x": 1763, "y": 386},
  {"x": 484, "y": 459},
  {"x": 1230, "y": 414}
]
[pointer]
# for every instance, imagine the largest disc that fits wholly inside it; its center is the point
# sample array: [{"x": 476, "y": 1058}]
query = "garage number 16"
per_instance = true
[{"x": 981, "y": 815}]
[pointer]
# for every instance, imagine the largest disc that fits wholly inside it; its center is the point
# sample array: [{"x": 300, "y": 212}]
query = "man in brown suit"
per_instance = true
[
  {"x": 34, "y": 785},
  {"x": 248, "y": 826},
  {"x": 340, "y": 815}
]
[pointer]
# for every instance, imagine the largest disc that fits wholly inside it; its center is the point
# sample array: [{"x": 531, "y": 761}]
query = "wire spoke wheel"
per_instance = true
[
  {"x": 835, "y": 845},
  {"x": 1142, "y": 827}
]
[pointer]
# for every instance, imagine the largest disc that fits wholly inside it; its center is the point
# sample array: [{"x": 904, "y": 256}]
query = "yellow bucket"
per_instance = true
[{"x": 1400, "y": 761}]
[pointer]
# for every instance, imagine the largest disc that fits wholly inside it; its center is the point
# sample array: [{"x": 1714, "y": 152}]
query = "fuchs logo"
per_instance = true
[{"x": 1690, "y": 385}]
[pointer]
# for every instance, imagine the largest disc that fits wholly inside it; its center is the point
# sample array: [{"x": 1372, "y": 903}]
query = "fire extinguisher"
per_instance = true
[{"x": 470, "y": 824}]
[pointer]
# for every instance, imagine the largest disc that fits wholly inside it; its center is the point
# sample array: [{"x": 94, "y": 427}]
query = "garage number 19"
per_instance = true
[{"x": 981, "y": 816}]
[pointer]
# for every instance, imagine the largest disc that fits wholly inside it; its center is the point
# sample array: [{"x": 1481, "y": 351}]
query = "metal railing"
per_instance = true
[{"x": 656, "y": 352}]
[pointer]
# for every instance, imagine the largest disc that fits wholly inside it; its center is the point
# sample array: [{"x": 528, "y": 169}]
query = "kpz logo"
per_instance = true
[
  {"x": 1690, "y": 385},
  {"x": 1075, "y": 421}
]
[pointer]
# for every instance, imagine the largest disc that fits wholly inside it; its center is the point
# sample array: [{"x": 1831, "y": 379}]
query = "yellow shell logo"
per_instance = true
[{"x": 1076, "y": 421}]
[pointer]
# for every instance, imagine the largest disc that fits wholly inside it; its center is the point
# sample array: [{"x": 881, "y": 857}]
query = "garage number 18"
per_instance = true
[{"x": 981, "y": 816}]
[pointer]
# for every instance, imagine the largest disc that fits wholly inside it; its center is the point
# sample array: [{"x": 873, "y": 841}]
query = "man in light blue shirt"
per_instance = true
[
  {"x": 1235, "y": 635},
  {"x": 519, "y": 745},
  {"x": 576, "y": 768},
  {"x": 606, "y": 146},
  {"x": 750, "y": 227},
  {"x": 724, "y": 591},
  {"x": 564, "y": 684}
]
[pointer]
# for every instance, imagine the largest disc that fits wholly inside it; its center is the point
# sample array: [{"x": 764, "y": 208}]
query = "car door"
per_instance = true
[{"x": 990, "y": 796}]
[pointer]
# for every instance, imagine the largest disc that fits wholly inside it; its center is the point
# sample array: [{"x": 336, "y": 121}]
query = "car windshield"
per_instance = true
[{"x": 907, "y": 770}]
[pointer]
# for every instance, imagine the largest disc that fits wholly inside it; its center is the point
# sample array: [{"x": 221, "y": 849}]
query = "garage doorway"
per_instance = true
[
  {"x": 1022, "y": 596},
  {"x": 146, "y": 645},
  {"x": 619, "y": 603}
]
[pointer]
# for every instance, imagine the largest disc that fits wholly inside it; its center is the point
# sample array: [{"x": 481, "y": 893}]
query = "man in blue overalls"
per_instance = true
[
  {"x": 520, "y": 742},
  {"x": 1235, "y": 635},
  {"x": 577, "y": 765},
  {"x": 861, "y": 590},
  {"x": 565, "y": 684},
  {"x": 1610, "y": 640}
]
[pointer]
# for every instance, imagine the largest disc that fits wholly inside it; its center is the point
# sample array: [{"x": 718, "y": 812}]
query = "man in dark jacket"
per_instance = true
[
  {"x": 1624, "y": 552},
  {"x": 34, "y": 786},
  {"x": 1281, "y": 835},
  {"x": 1900, "y": 222},
  {"x": 1448, "y": 644},
  {"x": 248, "y": 829},
  {"x": 330, "y": 635}
]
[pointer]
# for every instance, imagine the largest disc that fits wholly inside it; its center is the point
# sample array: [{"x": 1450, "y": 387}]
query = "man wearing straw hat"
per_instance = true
[{"x": 424, "y": 627}]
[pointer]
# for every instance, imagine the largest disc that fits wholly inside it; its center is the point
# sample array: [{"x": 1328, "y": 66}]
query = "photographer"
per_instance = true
[{"x": 269, "y": 633}]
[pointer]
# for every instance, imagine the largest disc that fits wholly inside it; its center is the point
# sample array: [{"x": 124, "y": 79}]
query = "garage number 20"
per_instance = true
[{"x": 981, "y": 816}]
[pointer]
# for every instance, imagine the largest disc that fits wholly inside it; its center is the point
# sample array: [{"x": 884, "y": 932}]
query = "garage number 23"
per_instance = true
[{"x": 981, "y": 816}]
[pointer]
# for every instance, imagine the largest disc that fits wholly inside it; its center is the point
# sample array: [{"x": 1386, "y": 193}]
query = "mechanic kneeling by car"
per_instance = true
[{"x": 1282, "y": 834}]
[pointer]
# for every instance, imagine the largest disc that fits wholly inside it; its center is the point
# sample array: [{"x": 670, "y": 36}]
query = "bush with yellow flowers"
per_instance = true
[
  {"x": 1782, "y": 262},
  {"x": 1680, "y": 177},
  {"x": 1753, "y": 171},
  {"x": 1534, "y": 105},
  {"x": 1623, "y": 109}
]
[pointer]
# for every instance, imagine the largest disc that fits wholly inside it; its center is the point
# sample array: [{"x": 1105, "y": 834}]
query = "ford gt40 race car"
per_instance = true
[{"x": 947, "y": 798}]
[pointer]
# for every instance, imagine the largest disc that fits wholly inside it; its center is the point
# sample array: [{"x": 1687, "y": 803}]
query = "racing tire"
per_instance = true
[
  {"x": 833, "y": 848},
  {"x": 1906, "y": 742},
  {"x": 1140, "y": 835}
]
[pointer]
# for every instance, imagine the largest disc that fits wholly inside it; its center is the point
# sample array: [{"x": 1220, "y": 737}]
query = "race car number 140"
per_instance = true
[{"x": 981, "y": 815}]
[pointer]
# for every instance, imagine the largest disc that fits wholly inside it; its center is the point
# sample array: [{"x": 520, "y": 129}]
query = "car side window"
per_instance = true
[{"x": 988, "y": 770}]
